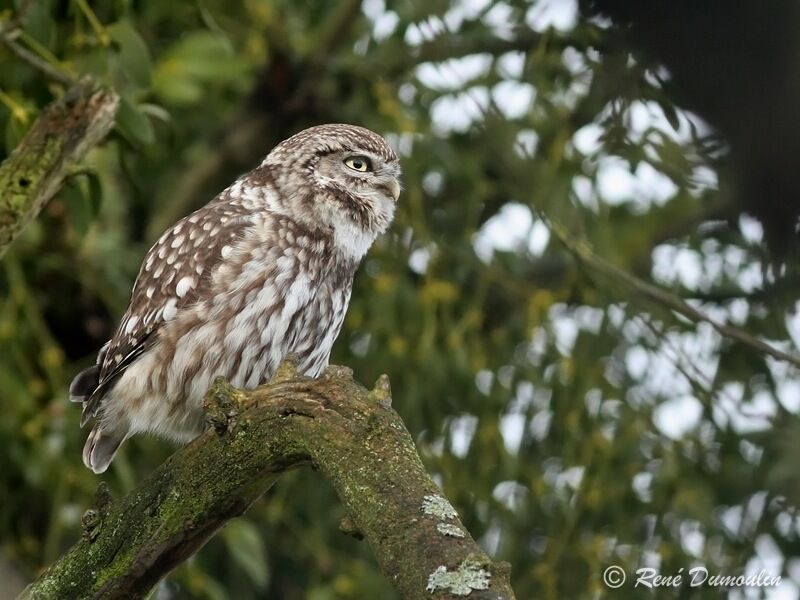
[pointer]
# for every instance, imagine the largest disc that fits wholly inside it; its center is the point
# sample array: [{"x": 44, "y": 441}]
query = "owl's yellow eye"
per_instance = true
[{"x": 359, "y": 163}]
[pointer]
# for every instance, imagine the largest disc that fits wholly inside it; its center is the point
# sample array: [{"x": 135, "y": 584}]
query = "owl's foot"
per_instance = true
[
  {"x": 287, "y": 370},
  {"x": 221, "y": 404}
]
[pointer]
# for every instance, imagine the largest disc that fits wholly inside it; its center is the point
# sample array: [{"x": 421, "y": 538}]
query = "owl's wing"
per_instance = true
[{"x": 175, "y": 273}]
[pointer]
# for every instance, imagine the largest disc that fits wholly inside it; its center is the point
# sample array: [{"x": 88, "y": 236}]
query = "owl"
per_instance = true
[{"x": 264, "y": 270}]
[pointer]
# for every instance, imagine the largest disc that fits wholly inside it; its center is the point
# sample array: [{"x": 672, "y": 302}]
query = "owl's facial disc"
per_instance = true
[
  {"x": 341, "y": 177},
  {"x": 358, "y": 191},
  {"x": 363, "y": 164},
  {"x": 373, "y": 170},
  {"x": 361, "y": 181}
]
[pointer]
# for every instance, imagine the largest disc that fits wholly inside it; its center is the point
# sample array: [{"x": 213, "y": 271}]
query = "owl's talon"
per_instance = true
[
  {"x": 337, "y": 372},
  {"x": 221, "y": 404},
  {"x": 287, "y": 370}
]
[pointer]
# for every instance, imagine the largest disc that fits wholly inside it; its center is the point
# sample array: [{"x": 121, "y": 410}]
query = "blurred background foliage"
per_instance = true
[{"x": 573, "y": 423}]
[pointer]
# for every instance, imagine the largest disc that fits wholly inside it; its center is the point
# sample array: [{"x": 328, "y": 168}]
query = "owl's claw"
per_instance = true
[
  {"x": 337, "y": 372},
  {"x": 221, "y": 404},
  {"x": 287, "y": 370}
]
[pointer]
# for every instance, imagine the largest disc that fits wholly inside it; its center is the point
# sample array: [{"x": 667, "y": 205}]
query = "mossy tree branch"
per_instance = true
[
  {"x": 350, "y": 435},
  {"x": 56, "y": 142}
]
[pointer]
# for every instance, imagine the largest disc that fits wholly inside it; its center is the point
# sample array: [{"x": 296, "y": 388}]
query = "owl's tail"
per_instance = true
[
  {"x": 103, "y": 442},
  {"x": 88, "y": 380},
  {"x": 101, "y": 446},
  {"x": 84, "y": 384},
  {"x": 83, "y": 388}
]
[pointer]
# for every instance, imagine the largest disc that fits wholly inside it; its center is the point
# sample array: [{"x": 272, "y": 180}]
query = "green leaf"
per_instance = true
[
  {"x": 78, "y": 206},
  {"x": 83, "y": 196},
  {"x": 671, "y": 114},
  {"x": 199, "y": 59},
  {"x": 15, "y": 131},
  {"x": 179, "y": 90},
  {"x": 95, "y": 192},
  {"x": 156, "y": 111},
  {"x": 131, "y": 55},
  {"x": 202, "y": 585},
  {"x": 39, "y": 22},
  {"x": 133, "y": 124},
  {"x": 247, "y": 549}
]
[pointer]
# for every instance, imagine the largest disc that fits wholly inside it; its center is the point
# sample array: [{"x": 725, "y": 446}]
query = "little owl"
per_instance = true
[{"x": 264, "y": 270}]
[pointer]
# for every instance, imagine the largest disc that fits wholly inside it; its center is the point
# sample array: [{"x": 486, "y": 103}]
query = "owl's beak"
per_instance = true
[{"x": 394, "y": 187}]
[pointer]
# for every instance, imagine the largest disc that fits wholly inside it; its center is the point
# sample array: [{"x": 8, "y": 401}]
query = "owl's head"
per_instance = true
[{"x": 339, "y": 176}]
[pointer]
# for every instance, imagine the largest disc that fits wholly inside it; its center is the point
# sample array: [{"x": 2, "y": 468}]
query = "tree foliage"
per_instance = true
[{"x": 574, "y": 422}]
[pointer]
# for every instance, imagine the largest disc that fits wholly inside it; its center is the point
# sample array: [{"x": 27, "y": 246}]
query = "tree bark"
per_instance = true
[
  {"x": 57, "y": 141},
  {"x": 350, "y": 435}
]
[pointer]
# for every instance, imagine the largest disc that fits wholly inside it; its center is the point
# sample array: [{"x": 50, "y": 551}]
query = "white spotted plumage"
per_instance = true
[{"x": 263, "y": 270}]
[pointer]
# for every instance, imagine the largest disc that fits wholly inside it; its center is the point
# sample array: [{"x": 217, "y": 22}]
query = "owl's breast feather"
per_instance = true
[{"x": 265, "y": 302}]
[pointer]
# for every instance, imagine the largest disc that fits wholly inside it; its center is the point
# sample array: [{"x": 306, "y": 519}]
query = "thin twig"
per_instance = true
[
  {"x": 584, "y": 254},
  {"x": 97, "y": 26},
  {"x": 9, "y": 39},
  {"x": 19, "y": 18}
]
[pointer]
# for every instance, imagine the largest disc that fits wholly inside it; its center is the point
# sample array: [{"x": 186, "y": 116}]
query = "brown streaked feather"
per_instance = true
[{"x": 188, "y": 249}]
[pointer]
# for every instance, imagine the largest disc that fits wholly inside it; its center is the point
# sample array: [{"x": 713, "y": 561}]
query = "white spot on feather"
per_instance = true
[
  {"x": 151, "y": 317},
  {"x": 131, "y": 323},
  {"x": 177, "y": 241},
  {"x": 184, "y": 285},
  {"x": 170, "y": 309}
]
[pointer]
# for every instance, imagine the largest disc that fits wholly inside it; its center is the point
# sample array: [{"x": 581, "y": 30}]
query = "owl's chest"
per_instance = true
[
  {"x": 313, "y": 330},
  {"x": 281, "y": 303}
]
